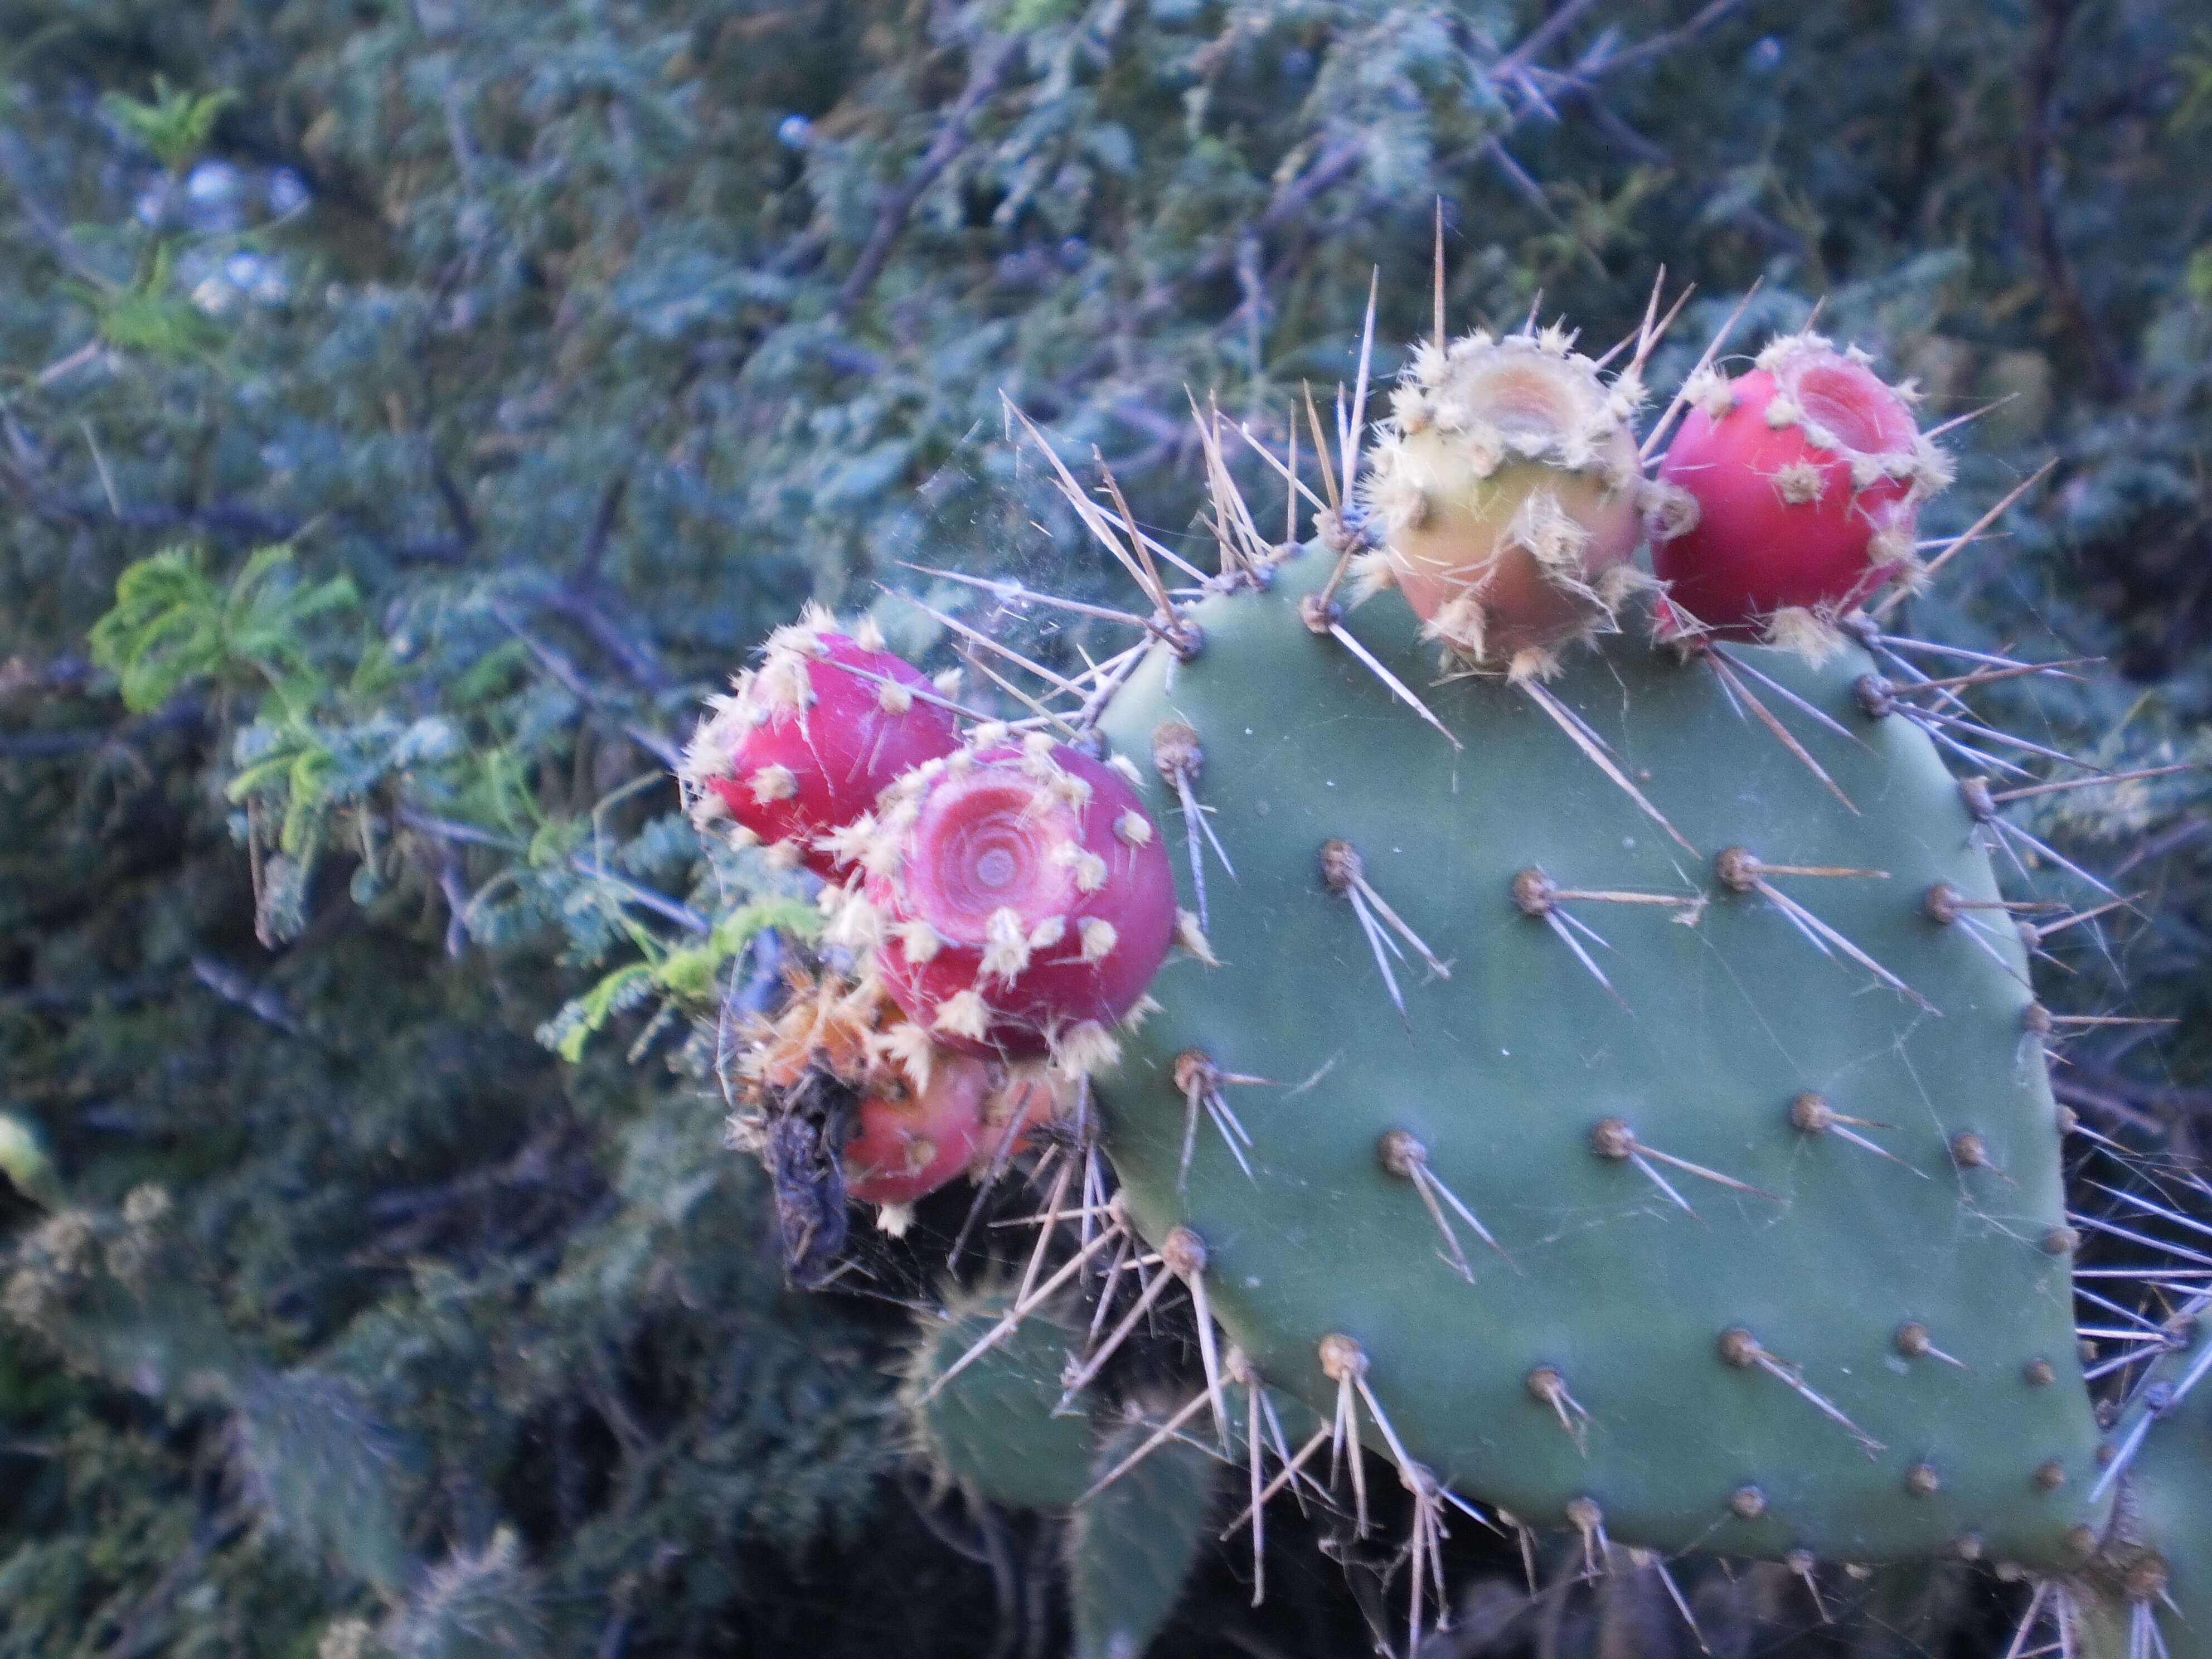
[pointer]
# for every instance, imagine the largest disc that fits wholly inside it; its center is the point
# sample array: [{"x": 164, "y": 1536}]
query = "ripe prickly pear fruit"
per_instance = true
[
  {"x": 1806, "y": 475},
  {"x": 1024, "y": 898},
  {"x": 1505, "y": 493},
  {"x": 811, "y": 737},
  {"x": 910, "y": 1141}
]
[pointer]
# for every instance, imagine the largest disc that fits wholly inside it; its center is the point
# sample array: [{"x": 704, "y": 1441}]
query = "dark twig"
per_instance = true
[
  {"x": 229, "y": 519},
  {"x": 991, "y": 58},
  {"x": 2039, "y": 183},
  {"x": 603, "y": 529},
  {"x": 187, "y": 714},
  {"x": 259, "y": 1000},
  {"x": 1659, "y": 44},
  {"x": 1539, "y": 39},
  {"x": 558, "y": 665},
  {"x": 584, "y": 605}
]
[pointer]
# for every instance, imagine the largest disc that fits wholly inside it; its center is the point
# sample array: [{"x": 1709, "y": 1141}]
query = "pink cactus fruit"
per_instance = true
[
  {"x": 1021, "y": 899},
  {"x": 1791, "y": 491},
  {"x": 913, "y": 1139},
  {"x": 806, "y": 742}
]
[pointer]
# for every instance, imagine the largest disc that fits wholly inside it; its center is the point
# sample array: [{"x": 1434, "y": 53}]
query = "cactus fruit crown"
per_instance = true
[{"x": 1609, "y": 1087}]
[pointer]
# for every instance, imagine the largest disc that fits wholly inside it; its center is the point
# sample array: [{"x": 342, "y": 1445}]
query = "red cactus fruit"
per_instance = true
[
  {"x": 1796, "y": 487},
  {"x": 1024, "y": 901},
  {"x": 810, "y": 738},
  {"x": 1505, "y": 493},
  {"x": 911, "y": 1141}
]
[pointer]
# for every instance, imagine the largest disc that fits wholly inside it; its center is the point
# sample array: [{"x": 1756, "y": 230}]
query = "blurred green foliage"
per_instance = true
[{"x": 409, "y": 410}]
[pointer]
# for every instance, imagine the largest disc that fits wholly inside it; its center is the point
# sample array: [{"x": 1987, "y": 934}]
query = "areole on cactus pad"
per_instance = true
[{"x": 1609, "y": 1086}]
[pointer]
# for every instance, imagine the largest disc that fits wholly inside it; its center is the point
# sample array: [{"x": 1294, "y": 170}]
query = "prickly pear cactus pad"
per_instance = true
[
  {"x": 2156, "y": 1563},
  {"x": 1705, "y": 1193},
  {"x": 1600, "y": 1074},
  {"x": 1131, "y": 1548},
  {"x": 991, "y": 1425}
]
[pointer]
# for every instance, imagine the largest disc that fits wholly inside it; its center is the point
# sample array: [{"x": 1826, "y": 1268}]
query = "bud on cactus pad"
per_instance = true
[
  {"x": 810, "y": 738},
  {"x": 996, "y": 1424},
  {"x": 1131, "y": 1548},
  {"x": 1807, "y": 476},
  {"x": 1599, "y": 1104},
  {"x": 1505, "y": 492},
  {"x": 1025, "y": 899}
]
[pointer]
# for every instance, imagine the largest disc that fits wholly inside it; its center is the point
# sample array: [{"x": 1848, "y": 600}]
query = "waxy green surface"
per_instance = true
[
  {"x": 2166, "y": 1507},
  {"x": 1504, "y": 1069},
  {"x": 993, "y": 1429}
]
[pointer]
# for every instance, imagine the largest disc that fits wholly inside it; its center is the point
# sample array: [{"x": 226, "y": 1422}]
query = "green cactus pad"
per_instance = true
[
  {"x": 1131, "y": 1545},
  {"x": 2159, "y": 1557},
  {"x": 1710, "y": 1033},
  {"x": 993, "y": 1429}
]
